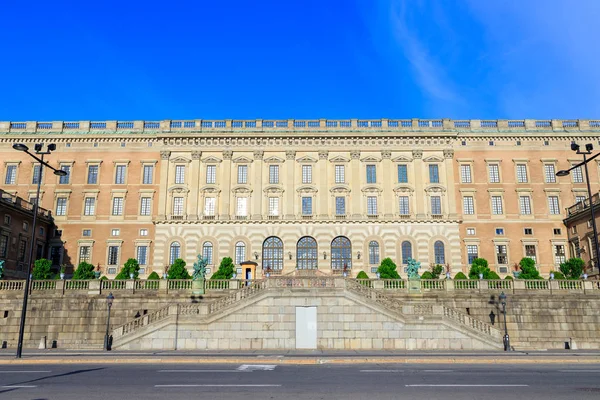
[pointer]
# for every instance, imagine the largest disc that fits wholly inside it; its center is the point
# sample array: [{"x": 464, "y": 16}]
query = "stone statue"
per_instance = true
[
  {"x": 1, "y": 268},
  {"x": 200, "y": 268},
  {"x": 413, "y": 269}
]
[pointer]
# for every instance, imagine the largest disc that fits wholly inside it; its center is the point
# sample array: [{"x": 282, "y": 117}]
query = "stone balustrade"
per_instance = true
[{"x": 291, "y": 125}]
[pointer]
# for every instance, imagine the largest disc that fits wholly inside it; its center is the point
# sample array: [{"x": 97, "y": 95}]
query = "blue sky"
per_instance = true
[{"x": 153, "y": 60}]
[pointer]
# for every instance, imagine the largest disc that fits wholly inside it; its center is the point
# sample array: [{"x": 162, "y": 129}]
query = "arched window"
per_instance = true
[
  {"x": 373, "y": 252},
  {"x": 406, "y": 252},
  {"x": 174, "y": 252},
  {"x": 207, "y": 252},
  {"x": 341, "y": 253},
  {"x": 306, "y": 253},
  {"x": 438, "y": 252},
  {"x": 240, "y": 252},
  {"x": 272, "y": 257}
]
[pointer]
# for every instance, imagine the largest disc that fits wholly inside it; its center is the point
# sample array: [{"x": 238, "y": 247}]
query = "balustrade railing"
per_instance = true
[
  {"x": 113, "y": 285},
  {"x": 180, "y": 284},
  {"x": 43, "y": 285},
  {"x": 217, "y": 284},
  {"x": 78, "y": 285}
]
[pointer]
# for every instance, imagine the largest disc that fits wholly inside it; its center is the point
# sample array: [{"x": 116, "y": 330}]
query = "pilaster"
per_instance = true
[
  {"x": 419, "y": 203},
  {"x": 289, "y": 195},
  {"x": 323, "y": 182},
  {"x": 257, "y": 191},
  {"x": 225, "y": 198},
  {"x": 450, "y": 184},
  {"x": 194, "y": 183},
  {"x": 164, "y": 178},
  {"x": 355, "y": 193},
  {"x": 387, "y": 196}
]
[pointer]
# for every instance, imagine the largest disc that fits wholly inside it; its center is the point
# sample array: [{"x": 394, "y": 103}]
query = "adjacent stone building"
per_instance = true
[
  {"x": 581, "y": 233},
  {"x": 326, "y": 195}
]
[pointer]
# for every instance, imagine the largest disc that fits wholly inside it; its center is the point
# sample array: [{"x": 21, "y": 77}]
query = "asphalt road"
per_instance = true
[{"x": 326, "y": 381}]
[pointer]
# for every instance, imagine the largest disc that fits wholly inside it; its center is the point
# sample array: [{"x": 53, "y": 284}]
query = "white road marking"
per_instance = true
[
  {"x": 24, "y": 372},
  {"x": 381, "y": 370},
  {"x": 442, "y": 385},
  {"x": 17, "y": 386},
  {"x": 437, "y": 370},
  {"x": 256, "y": 367},
  {"x": 256, "y": 385},
  {"x": 200, "y": 370},
  {"x": 579, "y": 370}
]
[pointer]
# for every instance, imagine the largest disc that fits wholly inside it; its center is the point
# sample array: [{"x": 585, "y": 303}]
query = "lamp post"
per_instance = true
[
  {"x": 38, "y": 151},
  {"x": 588, "y": 150},
  {"x": 109, "y": 301},
  {"x": 506, "y": 337}
]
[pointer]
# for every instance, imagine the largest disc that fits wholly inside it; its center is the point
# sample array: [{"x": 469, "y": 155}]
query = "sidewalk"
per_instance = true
[{"x": 298, "y": 357}]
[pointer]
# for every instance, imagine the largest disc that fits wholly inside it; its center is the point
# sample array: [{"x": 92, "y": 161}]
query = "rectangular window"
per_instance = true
[
  {"x": 120, "y": 172},
  {"x": 86, "y": 233},
  {"x": 145, "y": 206},
  {"x": 11, "y": 175},
  {"x": 403, "y": 205},
  {"x": 3, "y": 246},
  {"x": 211, "y": 174},
  {"x": 528, "y": 231},
  {"x": 500, "y": 231},
  {"x": 501, "y": 254},
  {"x": 434, "y": 173},
  {"x": 340, "y": 205},
  {"x": 559, "y": 254},
  {"x": 580, "y": 199},
  {"x": 553, "y": 207},
  {"x": 113, "y": 255},
  {"x": 61, "y": 206},
  {"x": 242, "y": 174},
  {"x": 84, "y": 254},
  {"x": 340, "y": 174},
  {"x": 148, "y": 174},
  {"x": 471, "y": 231},
  {"x": 92, "y": 178},
  {"x": 209, "y": 206},
  {"x": 22, "y": 249},
  {"x": 142, "y": 255},
  {"x": 307, "y": 174},
  {"x": 402, "y": 173},
  {"x": 179, "y": 174},
  {"x": 90, "y": 206},
  {"x": 371, "y": 205},
  {"x": 143, "y": 232},
  {"x": 306, "y": 205},
  {"x": 436, "y": 205},
  {"x": 557, "y": 231},
  {"x": 64, "y": 180},
  {"x": 465, "y": 173},
  {"x": 525, "y": 205},
  {"x": 117, "y": 207},
  {"x": 549, "y": 173},
  {"x": 115, "y": 232},
  {"x": 468, "y": 205},
  {"x": 207, "y": 252},
  {"x": 494, "y": 170},
  {"x": 521, "y": 173},
  {"x": 273, "y": 205},
  {"x": 36, "y": 174},
  {"x": 577, "y": 175},
  {"x": 178, "y": 206},
  {"x": 242, "y": 206},
  {"x": 371, "y": 174},
  {"x": 273, "y": 174},
  {"x": 472, "y": 253},
  {"x": 497, "y": 205},
  {"x": 530, "y": 252}
]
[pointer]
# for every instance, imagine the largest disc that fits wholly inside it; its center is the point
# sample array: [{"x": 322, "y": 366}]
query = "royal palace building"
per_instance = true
[{"x": 329, "y": 196}]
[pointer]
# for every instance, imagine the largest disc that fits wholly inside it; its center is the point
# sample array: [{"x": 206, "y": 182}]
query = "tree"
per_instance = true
[
  {"x": 460, "y": 276},
  {"x": 84, "y": 271},
  {"x": 225, "y": 270},
  {"x": 558, "y": 275},
  {"x": 42, "y": 269},
  {"x": 387, "y": 269},
  {"x": 572, "y": 268},
  {"x": 436, "y": 270},
  {"x": 479, "y": 266},
  {"x": 153, "y": 276},
  {"x": 528, "y": 270},
  {"x": 178, "y": 270},
  {"x": 131, "y": 267}
]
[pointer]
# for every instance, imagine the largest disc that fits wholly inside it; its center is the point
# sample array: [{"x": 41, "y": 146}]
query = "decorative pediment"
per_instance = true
[
  {"x": 339, "y": 159},
  {"x": 402, "y": 159},
  {"x": 340, "y": 189},
  {"x": 178, "y": 189},
  {"x": 242, "y": 160},
  {"x": 180, "y": 160},
  {"x": 241, "y": 189},
  {"x": 435, "y": 189},
  {"x": 211, "y": 160},
  {"x": 433, "y": 159},
  {"x": 307, "y": 159},
  {"x": 273, "y": 189},
  {"x": 370, "y": 159},
  {"x": 307, "y": 189},
  {"x": 405, "y": 188},
  {"x": 371, "y": 189},
  {"x": 210, "y": 189},
  {"x": 274, "y": 160}
]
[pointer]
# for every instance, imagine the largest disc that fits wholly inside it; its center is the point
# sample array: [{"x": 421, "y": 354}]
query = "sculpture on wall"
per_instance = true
[
  {"x": 200, "y": 268},
  {"x": 413, "y": 269}
]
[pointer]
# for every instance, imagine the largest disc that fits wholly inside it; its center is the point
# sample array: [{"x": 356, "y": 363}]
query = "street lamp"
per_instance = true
[
  {"x": 38, "y": 151},
  {"x": 588, "y": 150},
  {"x": 109, "y": 301},
  {"x": 506, "y": 337}
]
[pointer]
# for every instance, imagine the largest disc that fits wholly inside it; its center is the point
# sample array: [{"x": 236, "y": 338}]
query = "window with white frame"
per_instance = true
[
  {"x": 468, "y": 205},
  {"x": 436, "y": 205},
  {"x": 174, "y": 252},
  {"x": 207, "y": 252},
  {"x": 494, "y": 171},
  {"x": 549, "y": 173},
  {"x": 273, "y": 174},
  {"x": 371, "y": 205},
  {"x": 115, "y": 232},
  {"x": 307, "y": 174},
  {"x": 525, "y": 205},
  {"x": 240, "y": 252},
  {"x": 465, "y": 173},
  {"x": 530, "y": 252},
  {"x": 92, "y": 177},
  {"x": 501, "y": 255},
  {"x": 497, "y": 205},
  {"x": 340, "y": 205},
  {"x": 340, "y": 174},
  {"x": 121, "y": 171},
  {"x": 577, "y": 175},
  {"x": 36, "y": 174},
  {"x": 373, "y": 252},
  {"x": 371, "y": 174},
  {"x": 86, "y": 233},
  {"x": 3, "y": 245},
  {"x": 84, "y": 254},
  {"x": 273, "y": 206},
  {"x": 559, "y": 254},
  {"x": 113, "y": 255},
  {"x": 61, "y": 206},
  {"x": 580, "y": 199},
  {"x": 180, "y": 174},
  {"x": 142, "y": 255},
  {"x": 242, "y": 206},
  {"x": 148, "y": 174},
  {"x": 522, "y": 173},
  {"x": 553, "y": 206},
  {"x": 242, "y": 174},
  {"x": 143, "y": 232},
  {"x": 403, "y": 205},
  {"x": 211, "y": 174},
  {"x": 64, "y": 179},
  {"x": 209, "y": 206},
  {"x": 472, "y": 253},
  {"x": 434, "y": 173},
  {"x": 307, "y": 205},
  {"x": 145, "y": 205},
  {"x": 117, "y": 206},
  {"x": 178, "y": 206},
  {"x": 402, "y": 173},
  {"x": 471, "y": 231},
  {"x": 439, "y": 253},
  {"x": 89, "y": 207},
  {"x": 11, "y": 175}
]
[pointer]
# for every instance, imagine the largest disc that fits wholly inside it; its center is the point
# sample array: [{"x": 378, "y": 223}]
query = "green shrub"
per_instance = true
[
  {"x": 42, "y": 269},
  {"x": 558, "y": 275},
  {"x": 436, "y": 270},
  {"x": 460, "y": 276},
  {"x": 103, "y": 278},
  {"x": 387, "y": 269},
  {"x": 178, "y": 270},
  {"x": 479, "y": 266},
  {"x": 131, "y": 266},
  {"x": 572, "y": 268},
  {"x": 362, "y": 275},
  {"x": 153, "y": 276},
  {"x": 226, "y": 269},
  {"x": 508, "y": 277},
  {"x": 528, "y": 270},
  {"x": 427, "y": 275},
  {"x": 493, "y": 275},
  {"x": 84, "y": 271}
]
